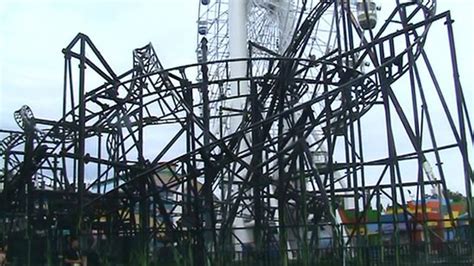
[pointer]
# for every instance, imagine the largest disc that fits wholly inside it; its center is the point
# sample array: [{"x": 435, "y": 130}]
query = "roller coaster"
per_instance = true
[{"x": 279, "y": 164}]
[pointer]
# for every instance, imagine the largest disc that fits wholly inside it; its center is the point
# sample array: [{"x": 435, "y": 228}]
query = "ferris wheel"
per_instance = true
[
  {"x": 270, "y": 24},
  {"x": 265, "y": 28}
]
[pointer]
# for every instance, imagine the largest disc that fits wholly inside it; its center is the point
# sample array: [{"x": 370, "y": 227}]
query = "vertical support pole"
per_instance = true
[
  {"x": 205, "y": 93},
  {"x": 463, "y": 141},
  {"x": 144, "y": 210},
  {"x": 392, "y": 158},
  {"x": 56, "y": 180},
  {"x": 27, "y": 177},
  {"x": 5, "y": 173},
  {"x": 256, "y": 116},
  {"x": 209, "y": 218},
  {"x": 305, "y": 254},
  {"x": 460, "y": 111},
  {"x": 192, "y": 201},
  {"x": 82, "y": 134},
  {"x": 99, "y": 155},
  {"x": 146, "y": 203},
  {"x": 282, "y": 179}
]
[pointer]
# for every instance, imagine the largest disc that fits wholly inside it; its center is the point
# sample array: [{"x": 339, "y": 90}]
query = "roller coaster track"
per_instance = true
[{"x": 284, "y": 92}]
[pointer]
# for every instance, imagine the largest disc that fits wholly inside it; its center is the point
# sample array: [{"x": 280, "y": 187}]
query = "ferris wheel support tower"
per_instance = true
[
  {"x": 237, "y": 49},
  {"x": 238, "y": 32}
]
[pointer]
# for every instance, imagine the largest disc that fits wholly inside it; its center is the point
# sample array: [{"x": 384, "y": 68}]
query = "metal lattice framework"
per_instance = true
[{"x": 135, "y": 157}]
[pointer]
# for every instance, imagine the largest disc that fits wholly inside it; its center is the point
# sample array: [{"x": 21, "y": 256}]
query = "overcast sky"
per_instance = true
[{"x": 32, "y": 34}]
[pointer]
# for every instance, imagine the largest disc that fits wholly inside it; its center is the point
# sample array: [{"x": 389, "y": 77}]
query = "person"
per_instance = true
[
  {"x": 91, "y": 253},
  {"x": 3, "y": 255},
  {"x": 73, "y": 255}
]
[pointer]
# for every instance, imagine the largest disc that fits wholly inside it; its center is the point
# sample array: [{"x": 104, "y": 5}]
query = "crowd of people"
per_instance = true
[{"x": 72, "y": 255}]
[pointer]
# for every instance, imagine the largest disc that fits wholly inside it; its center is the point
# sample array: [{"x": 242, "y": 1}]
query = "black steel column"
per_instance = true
[{"x": 82, "y": 134}]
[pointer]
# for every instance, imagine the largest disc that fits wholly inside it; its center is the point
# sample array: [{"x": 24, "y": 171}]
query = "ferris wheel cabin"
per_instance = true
[{"x": 366, "y": 14}]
